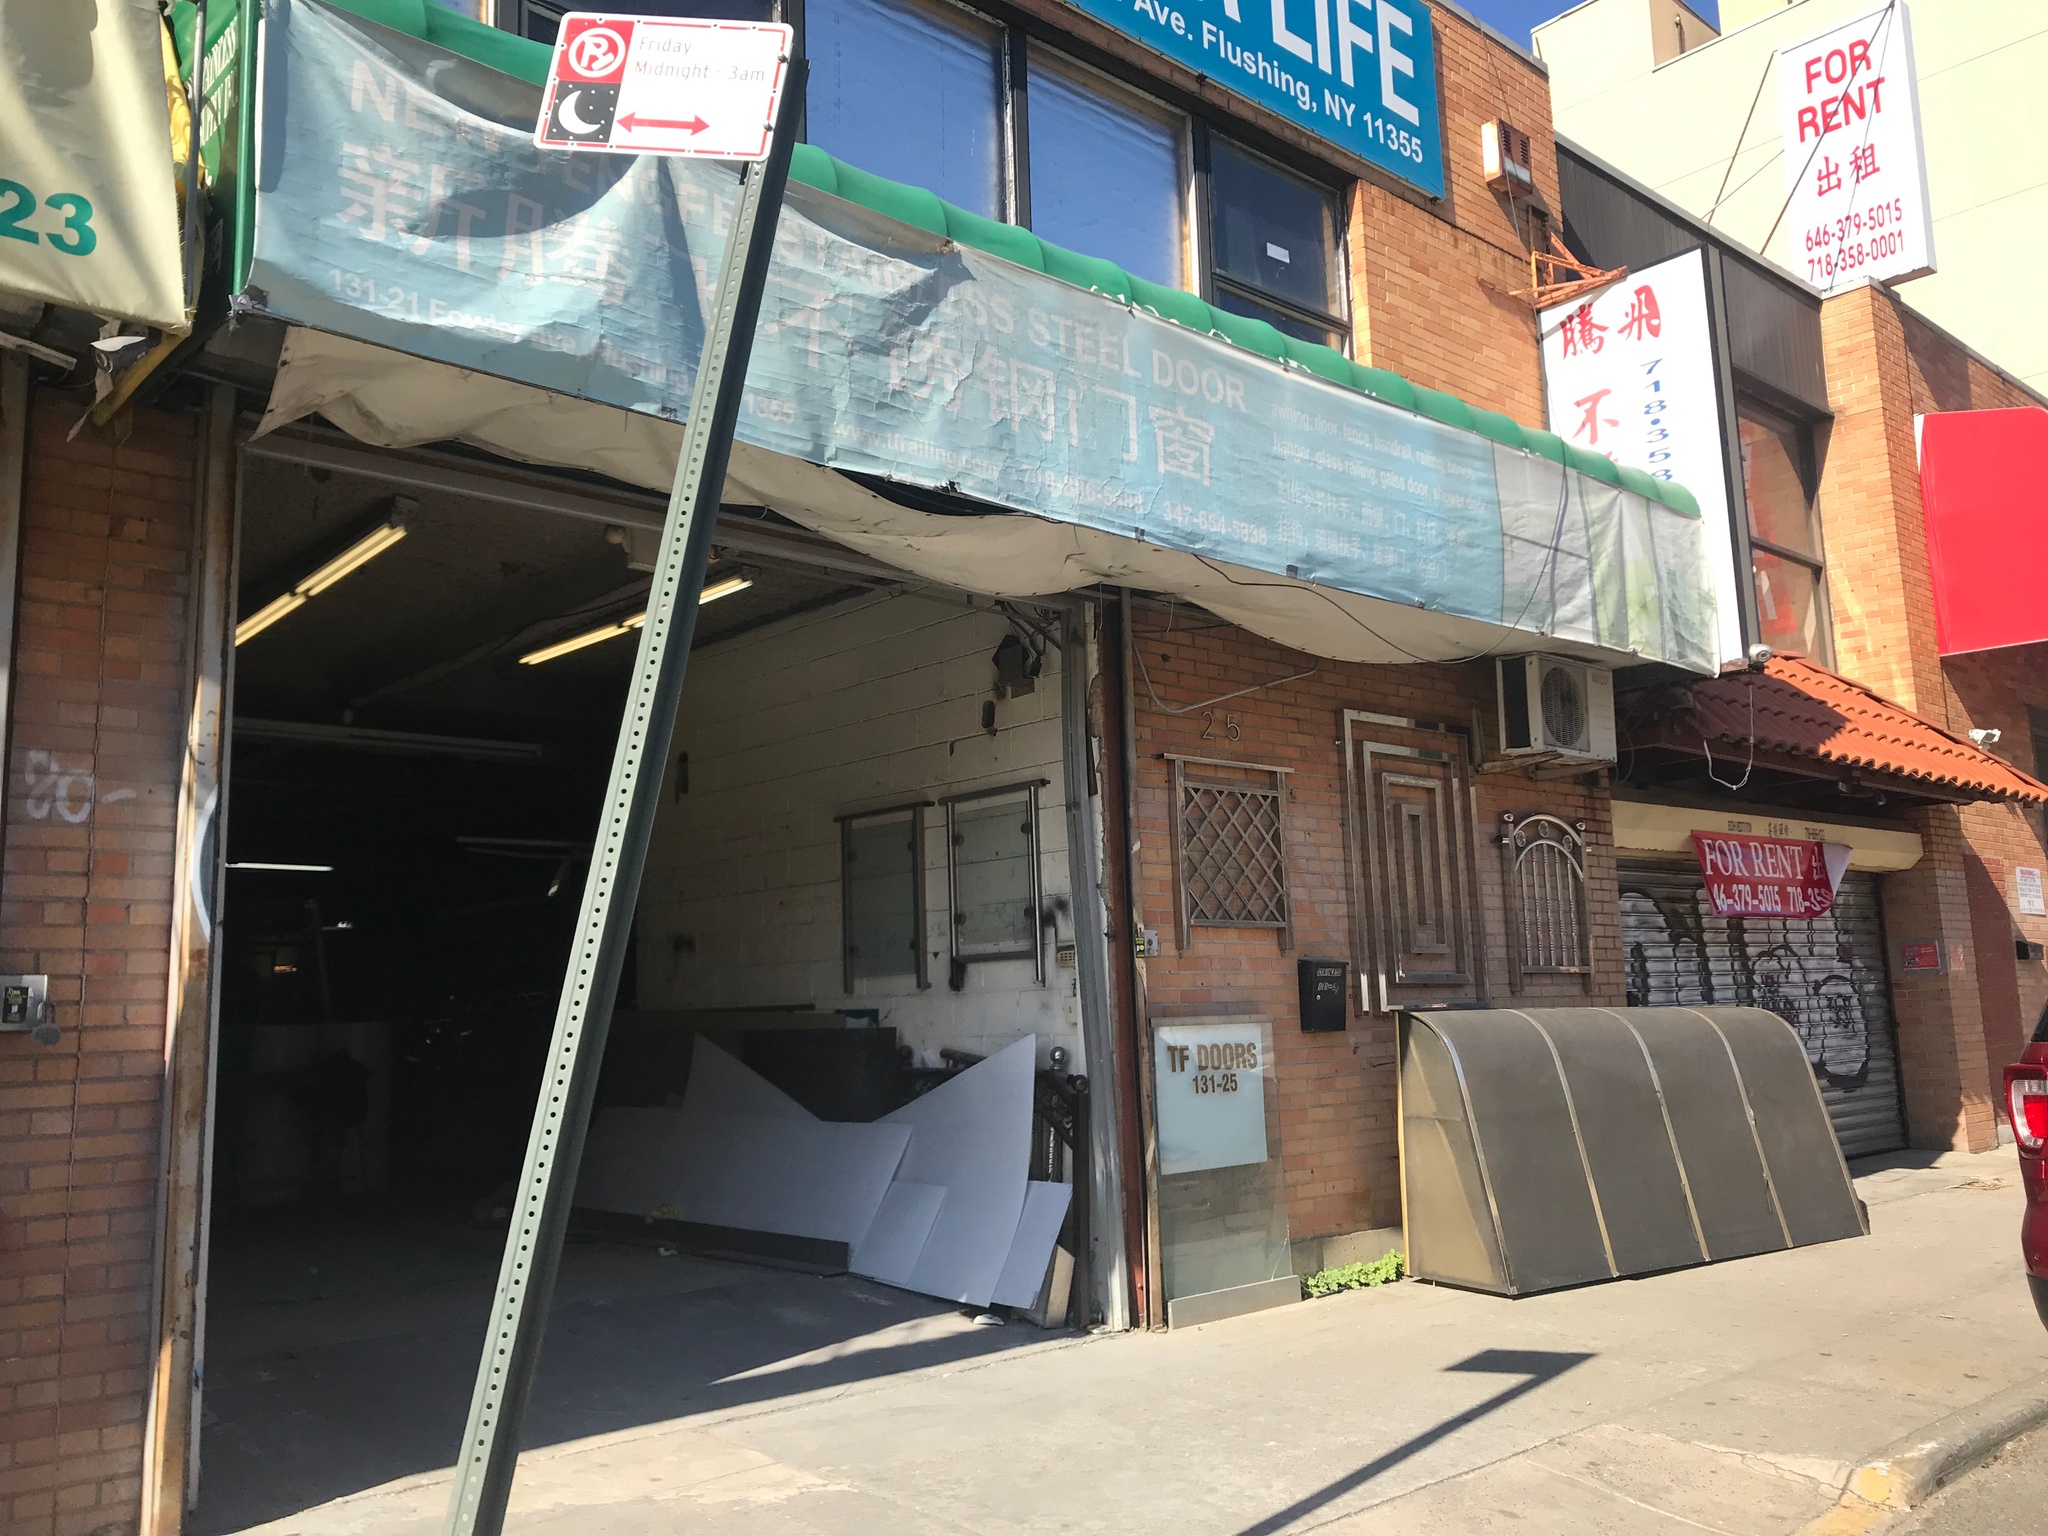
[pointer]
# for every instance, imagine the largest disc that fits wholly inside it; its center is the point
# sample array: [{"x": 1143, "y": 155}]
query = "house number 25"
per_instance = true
[
  {"x": 1210, "y": 728},
  {"x": 76, "y": 238}
]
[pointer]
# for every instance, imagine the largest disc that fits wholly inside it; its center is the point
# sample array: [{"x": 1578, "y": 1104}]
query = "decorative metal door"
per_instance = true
[{"x": 1411, "y": 853}]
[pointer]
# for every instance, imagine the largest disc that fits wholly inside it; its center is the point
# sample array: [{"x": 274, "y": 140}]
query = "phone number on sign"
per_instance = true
[
  {"x": 1830, "y": 265},
  {"x": 1837, "y": 231}
]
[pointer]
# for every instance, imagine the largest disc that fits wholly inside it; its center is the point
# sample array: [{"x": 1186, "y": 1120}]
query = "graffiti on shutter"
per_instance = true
[{"x": 1825, "y": 976}]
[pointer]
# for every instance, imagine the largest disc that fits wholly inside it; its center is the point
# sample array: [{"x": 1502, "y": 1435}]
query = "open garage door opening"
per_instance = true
[{"x": 857, "y": 891}]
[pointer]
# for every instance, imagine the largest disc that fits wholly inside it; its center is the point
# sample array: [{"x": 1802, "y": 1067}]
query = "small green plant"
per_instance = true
[{"x": 1353, "y": 1277}]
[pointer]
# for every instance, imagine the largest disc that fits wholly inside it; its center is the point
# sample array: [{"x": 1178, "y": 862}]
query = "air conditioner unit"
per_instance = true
[
  {"x": 1555, "y": 709},
  {"x": 1505, "y": 159}
]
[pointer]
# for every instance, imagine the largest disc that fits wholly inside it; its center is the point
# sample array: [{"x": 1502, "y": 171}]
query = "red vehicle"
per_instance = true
[{"x": 2026, "y": 1096}]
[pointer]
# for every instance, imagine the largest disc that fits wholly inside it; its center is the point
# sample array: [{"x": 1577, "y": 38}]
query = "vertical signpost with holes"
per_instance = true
[{"x": 636, "y": 85}]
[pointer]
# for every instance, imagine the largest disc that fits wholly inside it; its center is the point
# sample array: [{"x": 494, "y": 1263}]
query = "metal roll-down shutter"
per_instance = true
[{"x": 1825, "y": 976}]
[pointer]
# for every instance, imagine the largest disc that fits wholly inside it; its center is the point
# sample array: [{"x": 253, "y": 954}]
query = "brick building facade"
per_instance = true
[
  {"x": 105, "y": 688},
  {"x": 100, "y": 687},
  {"x": 1886, "y": 366},
  {"x": 1337, "y": 1091}
]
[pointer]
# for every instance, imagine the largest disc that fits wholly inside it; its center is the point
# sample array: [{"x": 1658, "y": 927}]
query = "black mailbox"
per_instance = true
[{"x": 1324, "y": 1003}]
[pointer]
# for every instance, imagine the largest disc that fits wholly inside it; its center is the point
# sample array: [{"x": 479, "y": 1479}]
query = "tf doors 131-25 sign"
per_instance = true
[{"x": 1360, "y": 73}]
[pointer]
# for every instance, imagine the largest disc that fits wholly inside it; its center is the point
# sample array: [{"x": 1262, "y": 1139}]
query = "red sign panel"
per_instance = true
[
  {"x": 1985, "y": 502},
  {"x": 592, "y": 49},
  {"x": 1920, "y": 955},
  {"x": 1766, "y": 876}
]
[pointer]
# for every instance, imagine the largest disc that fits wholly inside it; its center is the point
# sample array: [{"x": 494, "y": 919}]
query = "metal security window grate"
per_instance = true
[
  {"x": 1230, "y": 848},
  {"x": 1543, "y": 859}
]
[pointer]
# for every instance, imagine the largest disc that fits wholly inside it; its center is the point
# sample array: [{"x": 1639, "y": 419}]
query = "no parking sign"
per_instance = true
[{"x": 652, "y": 85}]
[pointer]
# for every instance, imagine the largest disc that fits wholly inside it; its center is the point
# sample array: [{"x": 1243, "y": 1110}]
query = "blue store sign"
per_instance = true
[{"x": 1360, "y": 73}]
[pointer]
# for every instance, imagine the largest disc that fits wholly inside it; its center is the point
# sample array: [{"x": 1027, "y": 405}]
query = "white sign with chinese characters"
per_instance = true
[
  {"x": 1855, "y": 173},
  {"x": 2028, "y": 883},
  {"x": 1210, "y": 1091},
  {"x": 1630, "y": 373}
]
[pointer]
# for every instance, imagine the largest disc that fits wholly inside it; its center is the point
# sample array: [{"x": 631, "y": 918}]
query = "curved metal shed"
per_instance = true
[{"x": 1547, "y": 1147}]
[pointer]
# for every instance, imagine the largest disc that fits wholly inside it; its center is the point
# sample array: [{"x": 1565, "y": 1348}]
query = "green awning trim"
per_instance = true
[{"x": 925, "y": 210}]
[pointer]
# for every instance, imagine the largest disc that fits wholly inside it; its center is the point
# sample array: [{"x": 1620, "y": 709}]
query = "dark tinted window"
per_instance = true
[
  {"x": 1281, "y": 320},
  {"x": 909, "y": 91},
  {"x": 1106, "y": 172},
  {"x": 1274, "y": 232}
]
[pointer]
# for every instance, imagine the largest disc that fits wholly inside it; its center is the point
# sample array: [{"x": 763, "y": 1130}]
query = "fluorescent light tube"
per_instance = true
[
  {"x": 268, "y": 615},
  {"x": 360, "y": 553},
  {"x": 725, "y": 586},
  {"x": 357, "y": 555},
  {"x": 578, "y": 642},
  {"x": 289, "y": 869}
]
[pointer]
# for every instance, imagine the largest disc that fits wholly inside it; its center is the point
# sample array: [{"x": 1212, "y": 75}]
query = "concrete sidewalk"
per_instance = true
[{"x": 1731, "y": 1398}]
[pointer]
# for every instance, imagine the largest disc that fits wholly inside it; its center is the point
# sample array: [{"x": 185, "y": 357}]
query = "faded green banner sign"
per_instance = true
[{"x": 401, "y": 201}]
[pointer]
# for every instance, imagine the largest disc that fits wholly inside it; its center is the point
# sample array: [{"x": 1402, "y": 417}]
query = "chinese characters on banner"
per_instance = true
[
  {"x": 1849, "y": 110},
  {"x": 1769, "y": 876},
  {"x": 394, "y": 215},
  {"x": 1629, "y": 373}
]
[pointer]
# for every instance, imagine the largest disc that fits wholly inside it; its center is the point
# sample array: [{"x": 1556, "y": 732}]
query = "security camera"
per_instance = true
[
  {"x": 1986, "y": 736},
  {"x": 1760, "y": 657}
]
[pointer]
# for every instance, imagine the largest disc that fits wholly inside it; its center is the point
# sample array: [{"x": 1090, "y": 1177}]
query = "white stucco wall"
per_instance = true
[
  {"x": 1675, "y": 125},
  {"x": 871, "y": 704}
]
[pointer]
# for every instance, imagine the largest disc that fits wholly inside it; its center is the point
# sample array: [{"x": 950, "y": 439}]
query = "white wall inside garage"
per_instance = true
[{"x": 870, "y": 704}]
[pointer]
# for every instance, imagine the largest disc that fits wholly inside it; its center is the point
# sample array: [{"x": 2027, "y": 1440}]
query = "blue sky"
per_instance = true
[{"x": 1517, "y": 17}]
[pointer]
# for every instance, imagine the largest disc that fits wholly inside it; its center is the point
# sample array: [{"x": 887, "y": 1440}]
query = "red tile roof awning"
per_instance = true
[{"x": 1792, "y": 712}]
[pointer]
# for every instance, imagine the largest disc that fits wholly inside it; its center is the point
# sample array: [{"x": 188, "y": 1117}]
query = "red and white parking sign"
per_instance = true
[
  {"x": 593, "y": 48},
  {"x": 652, "y": 85}
]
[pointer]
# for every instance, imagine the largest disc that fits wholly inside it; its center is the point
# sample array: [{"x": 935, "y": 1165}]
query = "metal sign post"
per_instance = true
[{"x": 533, "y": 1245}]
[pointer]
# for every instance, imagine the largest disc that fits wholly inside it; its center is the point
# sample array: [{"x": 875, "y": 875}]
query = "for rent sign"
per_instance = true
[
  {"x": 1360, "y": 73},
  {"x": 1769, "y": 876},
  {"x": 1855, "y": 174}
]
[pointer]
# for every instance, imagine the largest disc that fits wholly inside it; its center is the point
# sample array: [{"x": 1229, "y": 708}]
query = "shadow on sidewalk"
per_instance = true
[
  {"x": 1538, "y": 1366},
  {"x": 296, "y": 1423}
]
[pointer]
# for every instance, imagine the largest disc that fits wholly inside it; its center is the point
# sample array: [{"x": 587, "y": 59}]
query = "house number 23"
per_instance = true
[
  {"x": 1210, "y": 729},
  {"x": 76, "y": 238}
]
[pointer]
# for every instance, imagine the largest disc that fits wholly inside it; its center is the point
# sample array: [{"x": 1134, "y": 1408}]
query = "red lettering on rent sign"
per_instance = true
[{"x": 1764, "y": 876}]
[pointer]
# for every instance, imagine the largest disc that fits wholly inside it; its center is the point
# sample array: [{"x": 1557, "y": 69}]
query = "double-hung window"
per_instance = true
[
  {"x": 942, "y": 97},
  {"x": 1786, "y": 558},
  {"x": 1275, "y": 246},
  {"x": 1106, "y": 170},
  {"x": 913, "y": 91}
]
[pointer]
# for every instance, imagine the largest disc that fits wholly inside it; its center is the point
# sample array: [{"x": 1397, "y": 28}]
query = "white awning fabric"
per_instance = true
[{"x": 394, "y": 400}]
